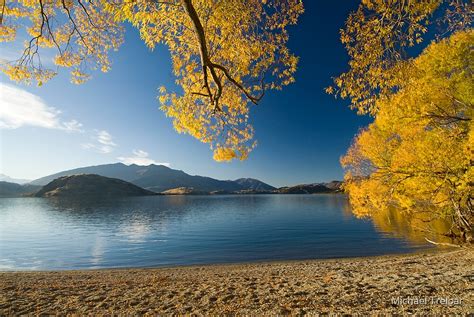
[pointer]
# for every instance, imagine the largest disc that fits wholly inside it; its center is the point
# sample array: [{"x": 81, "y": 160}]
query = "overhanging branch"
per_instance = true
[{"x": 209, "y": 67}]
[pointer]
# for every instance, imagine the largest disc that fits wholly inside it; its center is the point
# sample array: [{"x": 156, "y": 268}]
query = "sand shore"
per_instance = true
[{"x": 443, "y": 281}]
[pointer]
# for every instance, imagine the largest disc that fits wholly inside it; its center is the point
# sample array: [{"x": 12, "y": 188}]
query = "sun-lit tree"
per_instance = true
[
  {"x": 416, "y": 157},
  {"x": 418, "y": 154},
  {"x": 225, "y": 54},
  {"x": 380, "y": 36}
]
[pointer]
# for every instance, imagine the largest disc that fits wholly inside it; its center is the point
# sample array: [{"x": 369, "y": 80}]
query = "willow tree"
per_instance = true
[
  {"x": 379, "y": 38},
  {"x": 225, "y": 54},
  {"x": 417, "y": 156}
]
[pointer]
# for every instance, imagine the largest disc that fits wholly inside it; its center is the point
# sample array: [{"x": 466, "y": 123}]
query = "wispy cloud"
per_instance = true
[
  {"x": 20, "y": 108},
  {"x": 103, "y": 143},
  {"x": 104, "y": 138},
  {"x": 73, "y": 125},
  {"x": 140, "y": 157}
]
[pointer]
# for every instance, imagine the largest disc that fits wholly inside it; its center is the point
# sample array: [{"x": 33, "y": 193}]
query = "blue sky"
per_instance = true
[{"x": 114, "y": 117}]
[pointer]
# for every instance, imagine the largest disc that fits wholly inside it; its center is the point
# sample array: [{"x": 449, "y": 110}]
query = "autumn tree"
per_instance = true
[
  {"x": 380, "y": 37},
  {"x": 416, "y": 158},
  {"x": 225, "y": 54}
]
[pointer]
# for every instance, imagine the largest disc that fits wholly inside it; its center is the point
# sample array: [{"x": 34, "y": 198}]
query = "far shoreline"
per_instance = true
[{"x": 177, "y": 195}]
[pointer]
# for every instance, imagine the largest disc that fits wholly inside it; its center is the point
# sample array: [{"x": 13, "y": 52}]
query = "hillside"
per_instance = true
[
  {"x": 90, "y": 186},
  {"x": 8, "y": 189},
  {"x": 317, "y": 188},
  {"x": 183, "y": 191},
  {"x": 254, "y": 184}
]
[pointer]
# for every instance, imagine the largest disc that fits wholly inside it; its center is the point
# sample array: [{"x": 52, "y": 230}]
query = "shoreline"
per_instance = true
[
  {"x": 428, "y": 250},
  {"x": 441, "y": 279}
]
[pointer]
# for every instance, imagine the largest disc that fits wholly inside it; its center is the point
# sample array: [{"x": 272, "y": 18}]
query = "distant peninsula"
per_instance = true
[{"x": 90, "y": 185}]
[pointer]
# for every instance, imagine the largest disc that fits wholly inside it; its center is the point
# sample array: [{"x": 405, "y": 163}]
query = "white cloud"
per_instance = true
[
  {"x": 104, "y": 138},
  {"x": 20, "y": 108},
  {"x": 140, "y": 157},
  {"x": 103, "y": 143},
  {"x": 73, "y": 125}
]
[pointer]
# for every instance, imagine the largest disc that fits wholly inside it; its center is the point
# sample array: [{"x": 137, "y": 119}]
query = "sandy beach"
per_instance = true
[{"x": 427, "y": 282}]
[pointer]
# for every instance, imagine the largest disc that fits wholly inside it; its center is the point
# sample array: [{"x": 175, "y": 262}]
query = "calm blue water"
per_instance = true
[{"x": 42, "y": 234}]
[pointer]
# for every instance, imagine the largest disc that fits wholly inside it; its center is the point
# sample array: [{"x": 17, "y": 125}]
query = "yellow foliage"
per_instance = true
[
  {"x": 377, "y": 36},
  {"x": 67, "y": 59},
  {"x": 82, "y": 33},
  {"x": 7, "y": 33},
  {"x": 225, "y": 54},
  {"x": 417, "y": 155}
]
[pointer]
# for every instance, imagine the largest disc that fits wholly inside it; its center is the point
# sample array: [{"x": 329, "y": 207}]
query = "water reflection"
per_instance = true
[
  {"x": 175, "y": 230},
  {"x": 98, "y": 250},
  {"x": 138, "y": 229},
  {"x": 415, "y": 228}
]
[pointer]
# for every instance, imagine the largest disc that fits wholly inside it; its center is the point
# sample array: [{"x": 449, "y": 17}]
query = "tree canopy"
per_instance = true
[
  {"x": 418, "y": 154},
  {"x": 382, "y": 35},
  {"x": 225, "y": 54}
]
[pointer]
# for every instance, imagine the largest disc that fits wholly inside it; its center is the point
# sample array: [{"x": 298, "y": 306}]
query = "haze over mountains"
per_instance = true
[{"x": 6, "y": 178}]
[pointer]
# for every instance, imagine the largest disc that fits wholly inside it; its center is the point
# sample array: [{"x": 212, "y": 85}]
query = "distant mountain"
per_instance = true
[
  {"x": 8, "y": 189},
  {"x": 317, "y": 188},
  {"x": 90, "y": 185},
  {"x": 157, "y": 178},
  {"x": 6, "y": 178},
  {"x": 119, "y": 170},
  {"x": 254, "y": 184}
]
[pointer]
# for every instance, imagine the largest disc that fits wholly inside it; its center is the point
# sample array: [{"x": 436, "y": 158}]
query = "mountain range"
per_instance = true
[
  {"x": 159, "y": 178},
  {"x": 133, "y": 180}
]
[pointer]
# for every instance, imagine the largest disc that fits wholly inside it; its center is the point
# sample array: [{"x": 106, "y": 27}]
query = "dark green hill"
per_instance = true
[{"x": 90, "y": 186}]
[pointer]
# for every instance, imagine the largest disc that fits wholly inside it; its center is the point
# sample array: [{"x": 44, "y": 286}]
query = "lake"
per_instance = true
[{"x": 46, "y": 234}]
